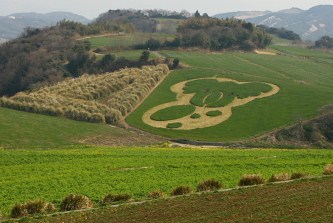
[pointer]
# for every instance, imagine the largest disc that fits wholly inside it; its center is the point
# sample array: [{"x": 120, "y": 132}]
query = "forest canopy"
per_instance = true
[{"x": 218, "y": 34}]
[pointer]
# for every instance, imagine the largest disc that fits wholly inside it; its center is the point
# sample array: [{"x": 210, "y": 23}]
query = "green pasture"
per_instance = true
[
  {"x": 174, "y": 112},
  {"x": 128, "y": 54},
  {"x": 304, "y": 52},
  {"x": 306, "y": 85},
  {"x": 127, "y": 41},
  {"x": 52, "y": 174},
  {"x": 279, "y": 41},
  {"x": 27, "y": 130}
]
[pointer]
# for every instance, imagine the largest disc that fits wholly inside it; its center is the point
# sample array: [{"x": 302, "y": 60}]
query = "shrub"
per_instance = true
[
  {"x": 297, "y": 175},
  {"x": 156, "y": 194},
  {"x": 328, "y": 169},
  {"x": 181, "y": 190},
  {"x": 175, "y": 63},
  {"x": 75, "y": 202},
  {"x": 279, "y": 177},
  {"x": 110, "y": 198},
  {"x": 32, "y": 207},
  {"x": 195, "y": 116},
  {"x": 214, "y": 113},
  {"x": 39, "y": 206},
  {"x": 19, "y": 210},
  {"x": 209, "y": 185},
  {"x": 251, "y": 179},
  {"x": 174, "y": 125}
]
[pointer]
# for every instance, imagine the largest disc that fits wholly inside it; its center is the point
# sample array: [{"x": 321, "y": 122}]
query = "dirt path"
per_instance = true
[
  {"x": 204, "y": 121},
  {"x": 100, "y": 35},
  {"x": 264, "y": 52}
]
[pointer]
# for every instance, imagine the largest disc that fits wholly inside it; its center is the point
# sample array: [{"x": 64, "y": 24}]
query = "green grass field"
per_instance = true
[
  {"x": 53, "y": 174},
  {"x": 306, "y": 84},
  {"x": 128, "y": 40},
  {"x": 300, "y": 201},
  {"x": 128, "y": 54},
  {"x": 27, "y": 130},
  {"x": 173, "y": 112}
]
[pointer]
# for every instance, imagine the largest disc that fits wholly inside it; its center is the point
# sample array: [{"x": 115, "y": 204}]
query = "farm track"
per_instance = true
[{"x": 96, "y": 36}]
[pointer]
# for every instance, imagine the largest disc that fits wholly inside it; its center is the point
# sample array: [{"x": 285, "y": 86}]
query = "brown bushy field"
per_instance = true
[{"x": 104, "y": 98}]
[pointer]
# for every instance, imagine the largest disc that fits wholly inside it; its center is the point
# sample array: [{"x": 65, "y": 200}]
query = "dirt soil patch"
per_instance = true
[{"x": 264, "y": 52}]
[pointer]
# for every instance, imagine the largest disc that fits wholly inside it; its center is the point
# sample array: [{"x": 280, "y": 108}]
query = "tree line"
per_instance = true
[
  {"x": 47, "y": 56},
  {"x": 281, "y": 32},
  {"x": 214, "y": 34},
  {"x": 325, "y": 42}
]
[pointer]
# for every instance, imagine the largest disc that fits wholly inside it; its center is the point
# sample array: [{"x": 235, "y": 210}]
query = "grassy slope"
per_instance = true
[
  {"x": 127, "y": 40},
  {"x": 128, "y": 54},
  {"x": 300, "y": 201},
  {"x": 28, "y": 130},
  {"x": 53, "y": 174},
  {"x": 306, "y": 85}
]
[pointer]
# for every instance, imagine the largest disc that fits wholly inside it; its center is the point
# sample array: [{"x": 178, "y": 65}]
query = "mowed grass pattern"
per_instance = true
[
  {"x": 305, "y": 86},
  {"x": 95, "y": 172}
]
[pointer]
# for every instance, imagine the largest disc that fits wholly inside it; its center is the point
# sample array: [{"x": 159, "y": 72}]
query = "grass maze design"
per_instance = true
[{"x": 205, "y": 102}]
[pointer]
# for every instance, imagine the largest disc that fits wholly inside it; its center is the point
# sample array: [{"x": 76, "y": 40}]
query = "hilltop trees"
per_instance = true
[
  {"x": 324, "y": 42},
  {"x": 281, "y": 32},
  {"x": 37, "y": 57},
  {"x": 217, "y": 34}
]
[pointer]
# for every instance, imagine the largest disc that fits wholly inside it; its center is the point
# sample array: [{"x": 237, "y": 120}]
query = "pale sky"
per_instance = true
[{"x": 92, "y": 8}]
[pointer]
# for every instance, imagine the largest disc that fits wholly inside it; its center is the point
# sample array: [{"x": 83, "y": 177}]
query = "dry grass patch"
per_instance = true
[
  {"x": 111, "y": 198},
  {"x": 156, "y": 194},
  {"x": 75, "y": 202},
  {"x": 279, "y": 177},
  {"x": 251, "y": 179},
  {"x": 181, "y": 190},
  {"x": 104, "y": 98},
  {"x": 298, "y": 175},
  {"x": 328, "y": 170},
  {"x": 209, "y": 185},
  {"x": 32, "y": 207}
]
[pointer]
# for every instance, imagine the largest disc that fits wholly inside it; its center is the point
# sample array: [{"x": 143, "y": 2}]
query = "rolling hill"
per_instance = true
[
  {"x": 12, "y": 26},
  {"x": 309, "y": 24}
]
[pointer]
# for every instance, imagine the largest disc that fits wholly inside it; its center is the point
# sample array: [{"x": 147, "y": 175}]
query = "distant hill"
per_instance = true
[
  {"x": 309, "y": 24},
  {"x": 242, "y": 14},
  {"x": 12, "y": 26}
]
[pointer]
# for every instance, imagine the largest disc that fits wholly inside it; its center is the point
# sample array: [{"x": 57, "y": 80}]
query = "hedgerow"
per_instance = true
[{"x": 102, "y": 98}]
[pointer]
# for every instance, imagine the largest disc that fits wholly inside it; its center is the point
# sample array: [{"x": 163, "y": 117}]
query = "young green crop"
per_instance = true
[{"x": 95, "y": 172}]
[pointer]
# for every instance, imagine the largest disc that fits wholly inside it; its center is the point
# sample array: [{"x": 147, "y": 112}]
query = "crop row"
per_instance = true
[
  {"x": 94, "y": 98},
  {"x": 53, "y": 174},
  {"x": 77, "y": 202}
]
